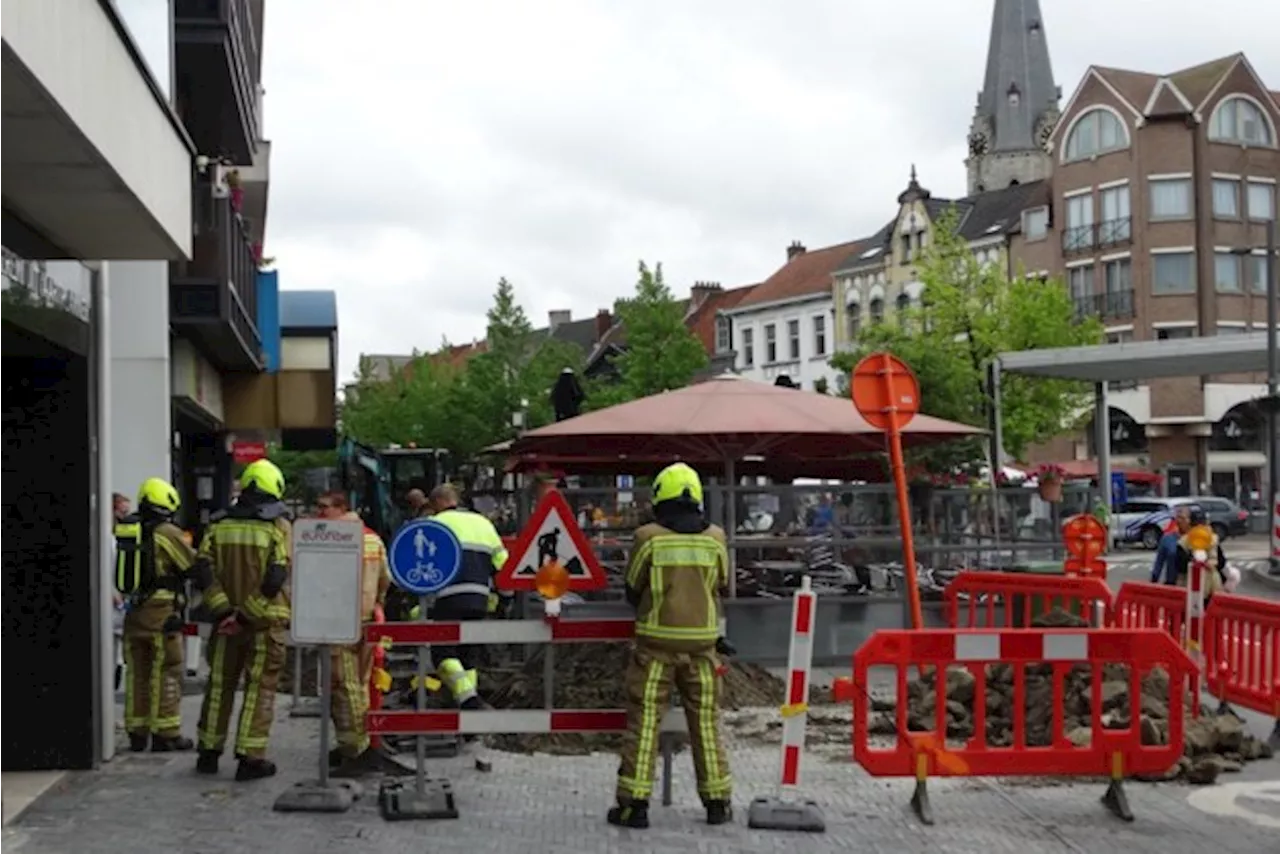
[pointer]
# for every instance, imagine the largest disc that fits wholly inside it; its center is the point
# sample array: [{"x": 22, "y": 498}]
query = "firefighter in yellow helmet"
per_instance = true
[
  {"x": 152, "y": 561},
  {"x": 679, "y": 564},
  {"x": 242, "y": 570}
]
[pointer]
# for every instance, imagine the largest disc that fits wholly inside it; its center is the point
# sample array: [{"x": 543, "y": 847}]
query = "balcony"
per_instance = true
[
  {"x": 1078, "y": 239},
  {"x": 1115, "y": 232},
  {"x": 213, "y": 298},
  {"x": 1113, "y": 305},
  {"x": 218, "y": 66}
]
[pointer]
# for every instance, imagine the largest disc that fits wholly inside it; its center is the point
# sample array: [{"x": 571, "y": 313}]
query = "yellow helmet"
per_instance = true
[
  {"x": 675, "y": 481},
  {"x": 264, "y": 476},
  {"x": 159, "y": 495}
]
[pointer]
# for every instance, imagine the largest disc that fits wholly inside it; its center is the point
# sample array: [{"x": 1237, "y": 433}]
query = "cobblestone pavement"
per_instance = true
[{"x": 536, "y": 803}]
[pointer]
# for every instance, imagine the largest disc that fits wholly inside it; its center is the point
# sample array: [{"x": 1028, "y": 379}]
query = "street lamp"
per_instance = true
[{"x": 1273, "y": 381}]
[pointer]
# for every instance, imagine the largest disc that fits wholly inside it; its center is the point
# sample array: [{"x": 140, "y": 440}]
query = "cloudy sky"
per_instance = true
[{"x": 423, "y": 149}]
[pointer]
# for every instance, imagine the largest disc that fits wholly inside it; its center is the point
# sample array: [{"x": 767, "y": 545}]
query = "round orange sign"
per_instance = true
[
  {"x": 885, "y": 391},
  {"x": 1085, "y": 537}
]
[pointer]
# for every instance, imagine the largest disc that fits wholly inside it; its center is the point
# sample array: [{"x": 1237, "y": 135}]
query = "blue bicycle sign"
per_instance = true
[{"x": 424, "y": 557}]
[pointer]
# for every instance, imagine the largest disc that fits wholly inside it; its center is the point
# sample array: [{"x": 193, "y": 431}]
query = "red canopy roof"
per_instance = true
[{"x": 727, "y": 418}]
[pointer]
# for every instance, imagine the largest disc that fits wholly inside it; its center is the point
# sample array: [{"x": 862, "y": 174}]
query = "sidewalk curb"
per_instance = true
[{"x": 1260, "y": 574}]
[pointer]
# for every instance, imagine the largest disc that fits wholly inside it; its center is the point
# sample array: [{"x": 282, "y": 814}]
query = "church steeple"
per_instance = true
[{"x": 1018, "y": 105}]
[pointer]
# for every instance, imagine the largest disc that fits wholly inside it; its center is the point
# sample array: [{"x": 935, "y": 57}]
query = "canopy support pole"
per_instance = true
[
  {"x": 996, "y": 453},
  {"x": 731, "y": 523},
  {"x": 1102, "y": 439}
]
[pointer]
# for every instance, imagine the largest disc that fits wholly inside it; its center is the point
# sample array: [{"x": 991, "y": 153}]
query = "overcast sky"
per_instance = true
[{"x": 423, "y": 149}]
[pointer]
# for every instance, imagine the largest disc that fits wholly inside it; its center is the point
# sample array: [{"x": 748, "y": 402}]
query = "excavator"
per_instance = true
[{"x": 376, "y": 481}]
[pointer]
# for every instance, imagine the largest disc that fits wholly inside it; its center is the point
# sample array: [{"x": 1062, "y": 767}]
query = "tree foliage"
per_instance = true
[
  {"x": 970, "y": 312},
  {"x": 440, "y": 401},
  {"x": 661, "y": 354}
]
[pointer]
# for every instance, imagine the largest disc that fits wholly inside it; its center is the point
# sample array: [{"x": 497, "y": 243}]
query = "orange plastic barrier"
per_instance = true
[
  {"x": 1242, "y": 652},
  {"x": 379, "y": 662},
  {"x": 1140, "y": 605},
  {"x": 1112, "y": 753},
  {"x": 988, "y": 590}
]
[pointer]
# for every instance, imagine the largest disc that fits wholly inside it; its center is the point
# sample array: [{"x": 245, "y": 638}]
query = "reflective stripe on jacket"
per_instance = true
[
  {"x": 173, "y": 559},
  {"x": 376, "y": 576},
  {"x": 241, "y": 550},
  {"x": 483, "y": 553},
  {"x": 678, "y": 578}
]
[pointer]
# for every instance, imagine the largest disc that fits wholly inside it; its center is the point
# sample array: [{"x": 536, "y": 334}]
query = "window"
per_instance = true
[
  {"x": 906, "y": 249},
  {"x": 724, "y": 336},
  {"x": 1035, "y": 223},
  {"x": 1172, "y": 333},
  {"x": 1227, "y": 329},
  {"x": 855, "y": 321},
  {"x": 1226, "y": 272},
  {"x": 877, "y": 310},
  {"x": 1262, "y": 200},
  {"x": 1258, "y": 273},
  {"x": 1226, "y": 198},
  {"x": 1173, "y": 273},
  {"x": 1123, "y": 336},
  {"x": 1118, "y": 301},
  {"x": 903, "y": 303},
  {"x": 1171, "y": 198},
  {"x": 770, "y": 343},
  {"x": 793, "y": 339},
  {"x": 1240, "y": 120},
  {"x": 748, "y": 347},
  {"x": 819, "y": 335},
  {"x": 1079, "y": 233},
  {"x": 1115, "y": 215},
  {"x": 1081, "y": 281},
  {"x": 1096, "y": 132}
]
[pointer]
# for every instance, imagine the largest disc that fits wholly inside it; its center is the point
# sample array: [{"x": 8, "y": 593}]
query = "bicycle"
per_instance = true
[{"x": 430, "y": 578}]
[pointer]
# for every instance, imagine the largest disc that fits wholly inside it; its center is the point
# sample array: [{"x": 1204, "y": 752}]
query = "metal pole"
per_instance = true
[
  {"x": 731, "y": 522},
  {"x": 997, "y": 458},
  {"x": 1102, "y": 438},
  {"x": 420, "y": 782},
  {"x": 1273, "y": 419},
  {"x": 326, "y": 705},
  {"x": 297, "y": 675}
]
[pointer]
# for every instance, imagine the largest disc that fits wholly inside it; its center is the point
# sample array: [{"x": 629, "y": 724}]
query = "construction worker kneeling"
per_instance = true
[
  {"x": 242, "y": 569},
  {"x": 152, "y": 561},
  {"x": 679, "y": 563}
]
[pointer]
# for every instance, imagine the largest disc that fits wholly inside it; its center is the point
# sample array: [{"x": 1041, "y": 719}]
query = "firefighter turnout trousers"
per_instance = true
[
  {"x": 257, "y": 655},
  {"x": 153, "y": 690},
  {"x": 650, "y": 674},
  {"x": 352, "y": 668}
]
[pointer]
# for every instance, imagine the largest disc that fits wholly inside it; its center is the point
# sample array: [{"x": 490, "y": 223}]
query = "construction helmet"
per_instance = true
[
  {"x": 158, "y": 495},
  {"x": 264, "y": 476},
  {"x": 677, "y": 480}
]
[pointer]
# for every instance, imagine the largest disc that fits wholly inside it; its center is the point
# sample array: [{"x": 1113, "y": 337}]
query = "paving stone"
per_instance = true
[{"x": 538, "y": 803}]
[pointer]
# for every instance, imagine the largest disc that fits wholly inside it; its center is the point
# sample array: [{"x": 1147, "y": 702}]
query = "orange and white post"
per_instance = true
[
  {"x": 776, "y": 813},
  {"x": 1200, "y": 540}
]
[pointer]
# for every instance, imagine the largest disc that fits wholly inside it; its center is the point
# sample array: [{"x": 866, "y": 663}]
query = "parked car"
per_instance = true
[{"x": 1143, "y": 520}]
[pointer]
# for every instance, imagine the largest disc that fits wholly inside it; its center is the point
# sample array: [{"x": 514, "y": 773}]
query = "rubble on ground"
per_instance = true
[{"x": 1215, "y": 743}]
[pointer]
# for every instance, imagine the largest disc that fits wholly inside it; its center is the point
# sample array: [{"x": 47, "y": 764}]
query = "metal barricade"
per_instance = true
[
  {"x": 1110, "y": 752},
  {"x": 1242, "y": 653},
  {"x": 1009, "y": 600}
]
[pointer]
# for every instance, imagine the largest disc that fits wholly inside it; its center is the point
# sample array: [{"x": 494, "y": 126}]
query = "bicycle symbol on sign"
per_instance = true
[{"x": 430, "y": 575}]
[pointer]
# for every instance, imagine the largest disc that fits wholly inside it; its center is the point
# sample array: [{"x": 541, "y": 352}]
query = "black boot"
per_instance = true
[
  {"x": 336, "y": 757},
  {"x": 207, "y": 762},
  {"x": 138, "y": 741},
  {"x": 719, "y": 812},
  {"x": 634, "y": 814},
  {"x": 170, "y": 743},
  {"x": 254, "y": 769}
]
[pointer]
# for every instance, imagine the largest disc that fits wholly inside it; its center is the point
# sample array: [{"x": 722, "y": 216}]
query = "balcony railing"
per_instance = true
[
  {"x": 1113, "y": 232},
  {"x": 1113, "y": 305},
  {"x": 1078, "y": 238},
  {"x": 224, "y": 29}
]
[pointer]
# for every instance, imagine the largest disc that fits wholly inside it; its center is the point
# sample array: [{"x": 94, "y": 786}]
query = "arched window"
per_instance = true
[
  {"x": 903, "y": 302},
  {"x": 1238, "y": 119},
  {"x": 855, "y": 320},
  {"x": 877, "y": 310},
  {"x": 1094, "y": 132}
]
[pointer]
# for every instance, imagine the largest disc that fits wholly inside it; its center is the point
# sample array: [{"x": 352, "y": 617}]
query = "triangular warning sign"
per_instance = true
[{"x": 551, "y": 535}]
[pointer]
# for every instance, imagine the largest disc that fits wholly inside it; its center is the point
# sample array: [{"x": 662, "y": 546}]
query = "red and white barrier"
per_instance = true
[
  {"x": 532, "y": 721},
  {"x": 1275, "y": 526},
  {"x": 476, "y": 632},
  {"x": 795, "y": 713}
]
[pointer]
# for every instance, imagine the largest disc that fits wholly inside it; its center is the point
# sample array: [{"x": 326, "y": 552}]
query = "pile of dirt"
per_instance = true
[
  {"x": 1214, "y": 742},
  {"x": 590, "y": 676}
]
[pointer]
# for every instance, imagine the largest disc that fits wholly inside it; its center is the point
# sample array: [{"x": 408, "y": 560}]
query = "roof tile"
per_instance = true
[{"x": 807, "y": 273}]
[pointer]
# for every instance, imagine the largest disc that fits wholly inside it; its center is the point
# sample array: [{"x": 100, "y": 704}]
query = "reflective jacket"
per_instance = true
[
  {"x": 173, "y": 558},
  {"x": 240, "y": 546},
  {"x": 376, "y": 577},
  {"x": 674, "y": 580},
  {"x": 483, "y": 554}
]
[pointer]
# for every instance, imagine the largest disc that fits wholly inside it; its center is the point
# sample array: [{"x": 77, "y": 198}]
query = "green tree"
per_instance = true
[
  {"x": 969, "y": 312},
  {"x": 294, "y": 465},
  {"x": 407, "y": 407},
  {"x": 661, "y": 354}
]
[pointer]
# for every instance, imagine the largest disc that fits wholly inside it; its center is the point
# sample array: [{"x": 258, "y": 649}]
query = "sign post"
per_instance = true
[
  {"x": 325, "y": 594},
  {"x": 887, "y": 395},
  {"x": 424, "y": 558}
]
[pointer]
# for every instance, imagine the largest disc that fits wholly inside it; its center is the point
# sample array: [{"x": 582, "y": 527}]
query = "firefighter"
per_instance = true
[
  {"x": 471, "y": 596},
  {"x": 353, "y": 665},
  {"x": 152, "y": 561},
  {"x": 679, "y": 563},
  {"x": 242, "y": 570}
]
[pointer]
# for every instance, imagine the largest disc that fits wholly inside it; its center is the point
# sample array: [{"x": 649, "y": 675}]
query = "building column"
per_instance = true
[
  {"x": 141, "y": 419},
  {"x": 105, "y": 539}
]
